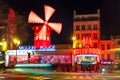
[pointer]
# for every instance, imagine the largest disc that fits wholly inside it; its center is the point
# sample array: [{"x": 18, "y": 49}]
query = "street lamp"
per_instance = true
[
  {"x": 3, "y": 43},
  {"x": 17, "y": 43},
  {"x": 73, "y": 46},
  {"x": 73, "y": 39}
]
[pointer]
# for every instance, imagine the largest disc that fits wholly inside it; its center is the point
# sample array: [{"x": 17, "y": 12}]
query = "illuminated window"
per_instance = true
[
  {"x": 77, "y": 36},
  {"x": 108, "y": 46},
  {"x": 37, "y": 37},
  {"x": 117, "y": 55},
  {"x": 108, "y": 56},
  {"x": 95, "y": 27},
  {"x": 80, "y": 45},
  {"x": 83, "y": 27},
  {"x": 44, "y": 37},
  {"x": 77, "y": 27},
  {"x": 40, "y": 37},
  {"x": 47, "y": 38},
  {"x": 77, "y": 45},
  {"x": 95, "y": 35},
  {"x": 102, "y": 47},
  {"x": 89, "y": 27}
]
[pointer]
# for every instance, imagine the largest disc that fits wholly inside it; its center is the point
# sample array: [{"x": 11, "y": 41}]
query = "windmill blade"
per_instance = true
[
  {"x": 48, "y": 12},
  {"x": 57, "y": 27},
  {"x": 34, "y": 18}
]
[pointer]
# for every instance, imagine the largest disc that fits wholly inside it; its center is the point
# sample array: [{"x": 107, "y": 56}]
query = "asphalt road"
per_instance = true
[{"x": 28, "y": 74}]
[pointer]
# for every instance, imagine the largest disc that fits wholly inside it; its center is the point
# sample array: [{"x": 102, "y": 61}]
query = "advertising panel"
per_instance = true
[
  {"x": 55, "y": 59},
  {"x": 42, "y": 59},
  {"x": 86, "y": 59}
]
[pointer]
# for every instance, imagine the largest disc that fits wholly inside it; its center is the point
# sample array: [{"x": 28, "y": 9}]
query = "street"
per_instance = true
[{"x": 31, "y": 74}]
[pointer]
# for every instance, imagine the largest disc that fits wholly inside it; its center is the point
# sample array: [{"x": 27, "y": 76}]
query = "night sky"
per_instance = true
[{"x": 110, "y": 14}]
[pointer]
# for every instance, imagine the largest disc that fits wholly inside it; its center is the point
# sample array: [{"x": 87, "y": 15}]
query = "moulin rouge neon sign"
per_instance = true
[
  {"x": 50, "y": 48},
  {"x": 86, "y": 51}
]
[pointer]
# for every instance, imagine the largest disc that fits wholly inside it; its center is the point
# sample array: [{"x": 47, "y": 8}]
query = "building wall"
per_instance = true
[
  {"x": 116, "y": 42},
  {"x": 84, "y": 25},
  {"x": 106, "y": 53},
  {"x": 91, "y": 23}
]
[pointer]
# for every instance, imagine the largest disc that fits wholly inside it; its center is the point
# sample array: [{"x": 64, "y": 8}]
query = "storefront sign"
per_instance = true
[
  {"x": 86, "y": 59},
  {"x": 86, "y": 51},
  {"x": 50, "y": 48},
  {"x": 107, "y": 62}
]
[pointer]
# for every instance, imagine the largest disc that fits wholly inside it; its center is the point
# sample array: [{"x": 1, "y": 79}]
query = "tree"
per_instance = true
[{"x": 22, "y": 28}]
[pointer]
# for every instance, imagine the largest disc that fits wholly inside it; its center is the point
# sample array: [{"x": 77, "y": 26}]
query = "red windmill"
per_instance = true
[{"x": 42, "y": 32}]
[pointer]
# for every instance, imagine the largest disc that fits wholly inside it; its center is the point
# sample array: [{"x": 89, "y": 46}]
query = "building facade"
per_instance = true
[
  {"x": 116, "y": 50},
  {"x": 86, "y": 30}
]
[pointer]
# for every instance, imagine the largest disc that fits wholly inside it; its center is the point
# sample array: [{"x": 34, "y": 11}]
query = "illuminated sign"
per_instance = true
[
  {"x": 86, "y": 59},
  {"x": 107, "y": 62},
  {"x": 50, "y": 48},
  {"x": 87, "y": 50}
]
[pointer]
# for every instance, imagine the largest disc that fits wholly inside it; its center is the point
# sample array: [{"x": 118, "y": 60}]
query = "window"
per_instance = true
[
  {"x": 77, "y": 45},
  {"x": 77, "y": 27},
  {"x": 102, "y": 47},
  {"x": 83, "y": 35},
  {"x": 95, "y": 45},
  {"x": 117, "y": 55},
  {"x": 77, "y": 36},
  {"x": 83, "y": 27},
  {"x": 87, "y": 35},
  {"x": 95, "y": 27},
  {"x": 89, "y": 27},
  {"x": 118, "y": 42},
  {"x": 103, "y": 56},
  {"x": 108, "y": 56},
  {"x": 108, "y": 46},
  {"x": 95, "y": 35}
]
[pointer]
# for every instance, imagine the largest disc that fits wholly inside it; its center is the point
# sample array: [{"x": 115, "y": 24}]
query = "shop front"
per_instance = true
[
  {"x": 87, "y": 60},
  {"x": 42, "y": 56}
]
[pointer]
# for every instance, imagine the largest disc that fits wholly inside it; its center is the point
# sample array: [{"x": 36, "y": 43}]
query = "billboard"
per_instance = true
[
  {"x": 55, "y": 59},
  {"x": 86, "y": 59},
  {"x": 42, "y": 59}
]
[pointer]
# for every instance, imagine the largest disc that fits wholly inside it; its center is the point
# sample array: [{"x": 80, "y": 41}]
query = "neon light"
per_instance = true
[
  {"x": 29, "y": 71},
  {"x": 34, "y": 18},
  {"x": 48, "y": 12},
  {"x": 103, "y": 62},
  {"x": 87, "y": 50},
  {"x": 32, "y": 65},
  {"x": 42, "y": 33},
  {"x": 86, "y": 59},
  {"x": 50, "y": 48}
]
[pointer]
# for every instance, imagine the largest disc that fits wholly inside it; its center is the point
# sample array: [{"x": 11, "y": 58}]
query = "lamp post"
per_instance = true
[
  {"x": 73, "y": 39},
  {"x": 73, "y": 46},
  {"x": 17, "y": 43}
]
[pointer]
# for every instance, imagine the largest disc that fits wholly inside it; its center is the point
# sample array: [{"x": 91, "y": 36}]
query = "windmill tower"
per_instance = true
[{"x": 42, "y": 32}]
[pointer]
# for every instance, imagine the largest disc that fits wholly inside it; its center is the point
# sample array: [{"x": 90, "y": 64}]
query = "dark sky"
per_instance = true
[{"x": 110, "y": 14}]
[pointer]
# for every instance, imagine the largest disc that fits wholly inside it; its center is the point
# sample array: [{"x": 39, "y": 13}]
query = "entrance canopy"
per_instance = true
[{"x": 86, "y": 59}]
